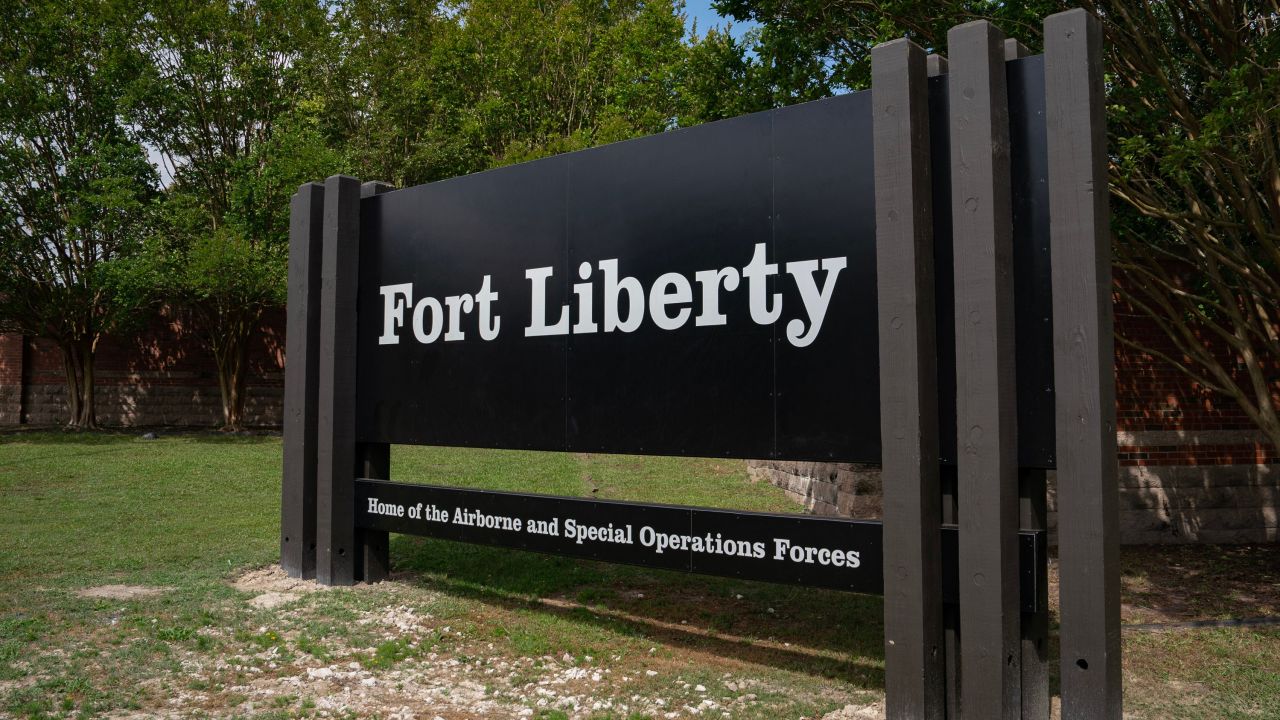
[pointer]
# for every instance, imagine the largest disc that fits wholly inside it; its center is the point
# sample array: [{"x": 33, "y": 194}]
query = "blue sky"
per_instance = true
[{"x": 706, "y": 17}]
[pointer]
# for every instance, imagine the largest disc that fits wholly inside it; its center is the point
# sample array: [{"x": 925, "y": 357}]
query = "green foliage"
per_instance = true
[
  {"x": 219, "y": 96},
  {"x": 263, "y": 181},
  {"x": 1194, "y": 118},
  {"x": 806, "y": 51},
  {"x": 426, "y": 93},
  {"x": 225, "y": 270},
  {"x": 215, "y": 78},
  {"x": 75, "y": 185},
  {"x": 719, "y": 80}
]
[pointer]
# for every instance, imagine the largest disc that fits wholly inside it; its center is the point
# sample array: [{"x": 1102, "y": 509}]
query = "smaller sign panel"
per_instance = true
[
  {"x": 794, "y": 549},
  {"x": 791, "y": 549}
]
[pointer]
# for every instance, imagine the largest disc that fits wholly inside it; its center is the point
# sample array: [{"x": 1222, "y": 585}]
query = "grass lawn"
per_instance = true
[{"x": 187, "y": 523}]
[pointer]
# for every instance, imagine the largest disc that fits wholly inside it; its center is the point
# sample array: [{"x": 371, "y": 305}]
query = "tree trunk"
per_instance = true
[
  {"x": 232, "y": 354},
  {"x": 77, "y": 359}
]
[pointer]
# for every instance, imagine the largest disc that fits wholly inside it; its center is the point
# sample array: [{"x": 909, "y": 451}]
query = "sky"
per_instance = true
[{"x": 707, "y": 17}]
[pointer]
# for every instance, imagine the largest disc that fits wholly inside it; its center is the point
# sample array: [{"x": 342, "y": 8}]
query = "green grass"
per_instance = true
[
  {"x": 186, "y": 513},
  {"x": 78, "y": 508}
]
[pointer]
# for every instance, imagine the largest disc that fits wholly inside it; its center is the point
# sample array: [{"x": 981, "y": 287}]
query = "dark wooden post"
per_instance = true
[
  {"x": 938, "y": 66},
  {"x": 1033, "y": 515},
  {"x": 914, "y": 660},
  {"x": 301, "y": 384},
  {"x": 986, "y": 410},
  {"x": 336, "y": 456},
  {"x": 373, "y": 461},
  {"x": 1083, "y": 358}
]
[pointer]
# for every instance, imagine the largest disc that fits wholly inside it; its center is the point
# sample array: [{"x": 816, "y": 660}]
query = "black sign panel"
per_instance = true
[
  {"x": 794, "y": 549},
  {"x": 819, "y": 552},
  {"x": 709, "y": 291}
]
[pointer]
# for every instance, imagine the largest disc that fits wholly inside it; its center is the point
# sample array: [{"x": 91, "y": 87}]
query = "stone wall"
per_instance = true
[
  {"x": 140, "y": 404},
  {"x": 1157, "y": 504},
  {"x": 832, "y": 489},
  {"x": 1186, "y": 503}
]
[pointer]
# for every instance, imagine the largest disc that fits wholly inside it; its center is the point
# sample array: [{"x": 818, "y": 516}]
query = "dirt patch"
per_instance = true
[
  {"x": 274, "y": 587},
  {"x": 874, "y": 711},
  {"x": 123, "y": 592},
  {"x": 273, "y": 578}
]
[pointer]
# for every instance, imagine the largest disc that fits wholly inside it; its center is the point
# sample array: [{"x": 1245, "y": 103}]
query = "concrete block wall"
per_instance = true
[
  {"x": 1158, "y": 504},
  {"x": 1194, "y": 503},
  {"x": 830, "y": 489},
  {"x": 141, "y": 405}
]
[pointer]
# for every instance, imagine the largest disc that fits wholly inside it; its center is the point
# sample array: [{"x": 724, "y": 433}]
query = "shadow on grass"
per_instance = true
[
  {"x": 1175, "y": 583},
  {"x": 819, "y": 632},
  {"x": 55, "y": 436}
]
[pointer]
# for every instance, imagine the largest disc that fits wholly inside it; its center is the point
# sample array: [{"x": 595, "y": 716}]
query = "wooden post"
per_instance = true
[
  {"x": 986, "y": 409},
  {"x": 373, "y": 461},
  {"x": 937, "y": 65},
  {"x": 336, "y": 456},
  {"x": 1083, "y": 358},
  {"x": 1033, "y": 515},
  {"x": 301, "y": 384},
  {"x": 914, "y": 659}
]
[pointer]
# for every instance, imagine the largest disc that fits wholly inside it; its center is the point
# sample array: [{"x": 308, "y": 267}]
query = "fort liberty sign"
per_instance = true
[{"x": 840, "y": 280}]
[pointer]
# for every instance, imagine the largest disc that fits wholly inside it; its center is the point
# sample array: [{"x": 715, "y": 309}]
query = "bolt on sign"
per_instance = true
[{"x": 914, "y": 275}]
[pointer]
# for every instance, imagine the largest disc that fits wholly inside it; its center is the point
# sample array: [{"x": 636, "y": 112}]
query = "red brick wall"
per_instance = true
[
  {"x": 1165, "y": 418},
  {"x": 11, "y": 369},
  {"x": 163, "y": 375}
]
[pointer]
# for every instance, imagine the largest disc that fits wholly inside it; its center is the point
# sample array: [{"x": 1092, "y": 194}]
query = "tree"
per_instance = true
[
  {"x": 1194, "y": 126},
  {"x": 223, "y": 280},
  {"x": 1194, "y": 116},
  {"x": 221, "y": 79},
  {"x": 719, "y": 80},
  {"x": 422, "y": 94},
  {"x": 75, "y": 186}
]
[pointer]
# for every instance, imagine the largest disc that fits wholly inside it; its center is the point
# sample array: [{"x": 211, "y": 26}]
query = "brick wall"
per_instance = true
[
  {"x": 11, "y": 373},
  {"x": 1164, "y": 418},
  {"x": 160, "y": 376}
]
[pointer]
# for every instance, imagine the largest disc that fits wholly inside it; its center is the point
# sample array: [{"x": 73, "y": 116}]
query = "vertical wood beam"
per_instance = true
[
  {"x": 336, "y": 458},
  {"x": 914, "y": 659},
  {"x": 1033, "y": 515},
  {"x": 373, "y": 461},
  {"x": 937, "y": 65},
  {"x": 1083, "y": 358},
  {"x": 986, "y": 409},
  {"x": 301, "y": 384}
]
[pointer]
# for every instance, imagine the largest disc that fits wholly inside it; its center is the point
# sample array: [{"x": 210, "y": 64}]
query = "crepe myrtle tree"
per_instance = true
[
  {"x": 223, "y": 278},
  {"x": 222, "y": 95},
  {"x": 75, "y": 187}
]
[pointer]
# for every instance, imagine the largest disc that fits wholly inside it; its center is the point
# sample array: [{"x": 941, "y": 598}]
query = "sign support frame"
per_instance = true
[
  {"x": 1088, "y": 532},
  {"x": 301, "y": 384},
  {"x": 915, "y": 663},
  {"x": 1000, "y": 668}
]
